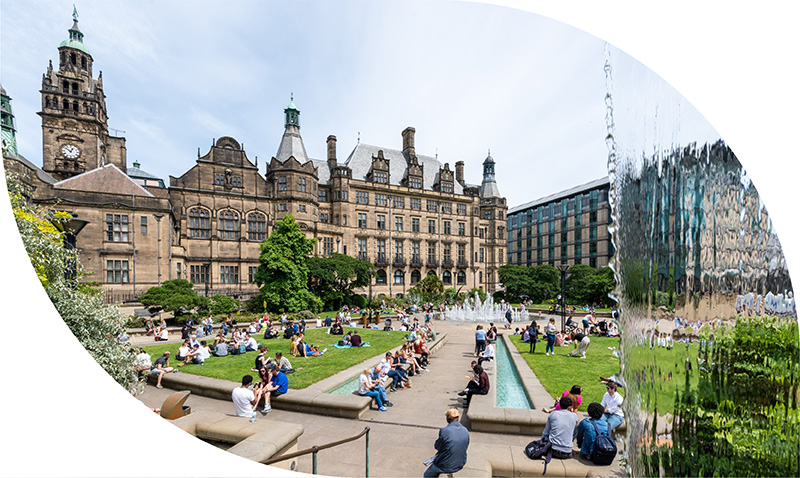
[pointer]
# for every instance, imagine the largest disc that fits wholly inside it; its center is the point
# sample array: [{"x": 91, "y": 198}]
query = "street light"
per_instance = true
[
  {"x": 70, "y": 227},
  {"x": 338, "y": 241},
  {"x": 563, "y": 268}
]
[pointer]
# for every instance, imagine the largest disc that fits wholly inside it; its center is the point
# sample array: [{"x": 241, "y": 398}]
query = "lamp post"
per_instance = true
[
  {"x": 563, "y": 268},
  {"x": 338, "y": 241},
  {"x": 70, "y": 227}
]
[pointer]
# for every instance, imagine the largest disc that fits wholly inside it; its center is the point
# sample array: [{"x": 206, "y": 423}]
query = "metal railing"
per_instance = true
[{"x": 317, "y": 448}]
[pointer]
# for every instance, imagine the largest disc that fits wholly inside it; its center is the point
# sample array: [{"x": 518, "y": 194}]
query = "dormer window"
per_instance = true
[
  {"x": 381, "y": 177},
  {"x": 447, "y": 187},
  {"x": 415, "y": 183}
]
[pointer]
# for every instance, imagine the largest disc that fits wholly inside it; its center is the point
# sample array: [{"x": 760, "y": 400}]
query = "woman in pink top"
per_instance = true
[{"x": 575, "y": 391}]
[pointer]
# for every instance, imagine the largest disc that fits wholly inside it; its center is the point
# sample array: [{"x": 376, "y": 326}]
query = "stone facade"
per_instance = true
[
  {"x": 408, "y": 214},
  {"x": 569, "y": 227}
]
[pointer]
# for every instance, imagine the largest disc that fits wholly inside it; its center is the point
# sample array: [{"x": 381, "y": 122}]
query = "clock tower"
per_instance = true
[{"x": 75, "y": 135}]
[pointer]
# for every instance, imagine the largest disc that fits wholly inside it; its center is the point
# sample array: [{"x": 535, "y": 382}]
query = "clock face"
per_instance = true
[{"x": 71, "y": 151}]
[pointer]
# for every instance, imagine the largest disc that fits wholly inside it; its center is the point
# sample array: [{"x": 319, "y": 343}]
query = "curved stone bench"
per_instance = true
[
  {"x": 255, "y": 441},
  {"x": 313, "y": 399}
]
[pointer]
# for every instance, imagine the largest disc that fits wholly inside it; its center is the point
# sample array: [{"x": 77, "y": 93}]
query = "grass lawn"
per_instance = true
[
  {"x": 560, "y": 372},
  {"x": 657, "y": 389},
  {"x": 307, "y": 370}
]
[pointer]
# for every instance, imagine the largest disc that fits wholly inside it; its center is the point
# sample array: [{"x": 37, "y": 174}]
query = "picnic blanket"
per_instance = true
[{"x": 363, "y": 344}]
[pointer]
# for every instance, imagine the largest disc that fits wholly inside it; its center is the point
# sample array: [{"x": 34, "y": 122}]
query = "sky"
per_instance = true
[
  {"x": 731, "y": 59},
  {"x": 471, "y": 78}
]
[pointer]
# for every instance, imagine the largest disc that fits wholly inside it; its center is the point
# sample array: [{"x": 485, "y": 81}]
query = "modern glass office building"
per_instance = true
[{"x": 569, "y": 227}]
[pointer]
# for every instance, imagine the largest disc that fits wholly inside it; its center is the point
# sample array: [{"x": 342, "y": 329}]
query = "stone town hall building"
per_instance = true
[{"x": 406, "y": 213}]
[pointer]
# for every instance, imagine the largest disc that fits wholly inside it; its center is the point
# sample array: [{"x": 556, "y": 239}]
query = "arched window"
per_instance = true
[
  {"x": 380, "y": 277},
  {"x": 228, "y": 226},
  {"x": 256, "y": 227},
  {"x": 83, "y": 62},
  {"x": 480, "y": 277},
  {"x": 73, "y": 59},
  {"x": 74, "y": 88},
  {"x": 399, "y": 277},
  {"x": 75, "y": 106},
  {"x": 199, "y": 223},
  {"x": 415, "y": 277},
  {"x": 47, "y": 102},
  {"x": 461, "y": 278},
  {"x": 65, "y": 86},
  {"x": 447, "y": 277},
  {"x": 65, "y": 104},
  {"x": 431, "y": 273}
]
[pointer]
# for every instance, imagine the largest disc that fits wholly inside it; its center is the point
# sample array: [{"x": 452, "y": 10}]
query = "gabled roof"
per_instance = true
[
  {"x": 40, "y": 173},
  {"x": 360, "y": 162},
  {"x": 105, "y": 179}
]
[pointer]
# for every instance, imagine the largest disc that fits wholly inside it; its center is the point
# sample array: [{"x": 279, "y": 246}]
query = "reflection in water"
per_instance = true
[{"x": 710, "y": 335}]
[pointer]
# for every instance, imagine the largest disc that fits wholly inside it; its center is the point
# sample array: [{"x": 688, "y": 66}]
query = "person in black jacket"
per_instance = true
[
  {"x": 479, "y": 384},
  {"x": 451, "y": 447}
]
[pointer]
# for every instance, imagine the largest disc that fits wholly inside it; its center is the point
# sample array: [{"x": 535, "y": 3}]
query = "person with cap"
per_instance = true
[
  {"x": 244, "y": 399},
  {"x": 451, "y": 447}
]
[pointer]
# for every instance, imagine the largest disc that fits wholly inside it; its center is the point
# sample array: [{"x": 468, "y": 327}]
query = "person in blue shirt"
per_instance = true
[
  {"x": 587, "y": 436},
  {"x": 451, "y": 447},
  {"x": 278, "y": 385},
  {"x": 480, "y": 340}
]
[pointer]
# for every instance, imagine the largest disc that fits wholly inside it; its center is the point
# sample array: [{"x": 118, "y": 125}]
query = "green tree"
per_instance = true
[
  {"x": 517, "y": 280},
  {"x": 334, "y": 278},
  {"x": 94, "y": 325},
  {"x": 223, "y": 304},
  {"x": 576, "y": 284},
  {"x": 283, "y": 271},
  {"x": 430, "y": 288},
  {"x": 481, "y": 294},
  {"x": 547, "y": 282},
  {"x": 537, "y": 283},
  {"x": 176, "y": 295}
]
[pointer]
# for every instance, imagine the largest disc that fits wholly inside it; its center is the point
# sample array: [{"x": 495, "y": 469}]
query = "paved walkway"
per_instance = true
[{"x": 400, "y": 438}]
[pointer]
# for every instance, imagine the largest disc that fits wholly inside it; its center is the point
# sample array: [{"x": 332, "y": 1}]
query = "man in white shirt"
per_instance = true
[
  {"x": 487, "y": 354},
  {"x": 244, "y": 399},
  {"x": 203, "y": 351},
  {"x": 250, "y": 343}
]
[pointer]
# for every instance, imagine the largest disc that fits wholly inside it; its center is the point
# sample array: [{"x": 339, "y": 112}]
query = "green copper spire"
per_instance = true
[
  {"x": 292, "y": 113},
  {"x": 75, "y": 34},
  {"x": 8, "y": 131}
]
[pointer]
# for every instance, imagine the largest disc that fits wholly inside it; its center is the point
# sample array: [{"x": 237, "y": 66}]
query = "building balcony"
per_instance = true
[
  {"x": 447, "y": 263},
  {"x": 462, "y": 264},
  {"x": 381, "y": 260},
  {"x": 432, "y": 262},
  {"x": 416, "y": 261},
  {"x": 399, "y": 260},
  {"x": 362, "y": 256}
]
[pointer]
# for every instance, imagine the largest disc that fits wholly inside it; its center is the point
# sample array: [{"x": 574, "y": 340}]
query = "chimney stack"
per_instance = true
[
  {"x": 460, "y": 172},
  {"x": 408, "y": 142},
  {"x": 331, "y": 152}
]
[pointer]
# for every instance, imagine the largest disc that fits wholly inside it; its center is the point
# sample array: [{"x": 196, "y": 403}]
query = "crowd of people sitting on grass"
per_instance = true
[{"x": 233, "y": 339}]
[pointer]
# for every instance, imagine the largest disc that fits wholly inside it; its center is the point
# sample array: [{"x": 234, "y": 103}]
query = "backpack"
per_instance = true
[
  {"x": 605, "y": 448},
  {"x": 540, "y": 449}
]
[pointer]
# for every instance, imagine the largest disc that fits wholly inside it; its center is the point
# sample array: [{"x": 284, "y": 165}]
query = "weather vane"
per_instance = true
[{"x": 74, "y": 12}]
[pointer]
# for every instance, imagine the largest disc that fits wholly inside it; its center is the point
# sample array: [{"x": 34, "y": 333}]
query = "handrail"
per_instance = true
[{"x": 316, "y": 448}]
